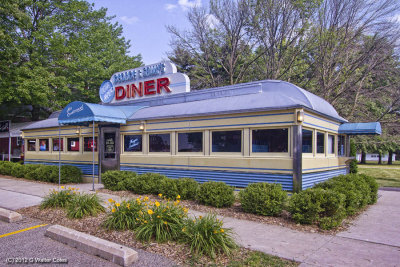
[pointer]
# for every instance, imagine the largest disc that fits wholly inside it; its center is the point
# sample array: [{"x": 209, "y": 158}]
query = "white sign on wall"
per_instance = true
[{"x": 144, "y": 82}]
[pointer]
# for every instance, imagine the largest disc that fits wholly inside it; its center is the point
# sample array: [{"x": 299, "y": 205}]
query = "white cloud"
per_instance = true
[
  {"x": 212, "y": 21},
  {"x": 129, "y": 20},
  {"x": 170, "y": 7},
  {"x": 185, "y": 4}
]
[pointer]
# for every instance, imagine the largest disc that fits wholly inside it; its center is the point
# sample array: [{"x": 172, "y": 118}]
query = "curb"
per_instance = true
[
  {"x": 9, "y": 216},
  {"x": 110, "y": 251}
]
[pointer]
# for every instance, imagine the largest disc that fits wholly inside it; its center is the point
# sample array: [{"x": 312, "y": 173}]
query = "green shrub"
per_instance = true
[
  {"x": 317, "y": 205},
  {"x": 6, "y": 167},
  {"x": 118, "y": 180},
  {"x": 29, "y": 169},
  {"x": 84, "y": 205},
  {"x": 187, "y": 188},
  {"x": 162, "y": 221},
  {"x": 353, "y": 168},
  {"x": 205, "y": 235},
  {"x": 373, "y": 186},
  {"x": 148, "y": 183},
  {"x": 123, "y": 216},
  {"x": 18, "y": 170},
  {"x": 263, "y": 198},
  {"x": 69, "y": 174},
  {"x": 169, "y": 188},
  {"x": 58, "y": 199},
  {"x": 217, "y": 194}
]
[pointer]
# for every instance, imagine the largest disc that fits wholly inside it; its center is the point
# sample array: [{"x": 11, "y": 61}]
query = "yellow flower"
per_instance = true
[
  {"x": 178, "y": 196},
  {"x": 157, "y": 203},
  {"x": 110, "y": 200},
  {"x": 146, "y": 198},
  {"x": 222, "y": 230},
  {"x": 150, "y": 212},
  {"x": 62, "y": 187},
  {"x": 128, "y": 205},
  {"x": 158, "y": 216},
  {"x": 200, "y": 217},
  {"x": 215, "y": 231},
  {"x": 67, "y": 194},
  {"x": 183, "y": 229},
  {"x": 145, "y": 221},
  {"x": 165, "y": 223},
  {"x": 117, "y": 204},
  {"x": 160, "y": 195},
  {"x": 113, "y": 210}
]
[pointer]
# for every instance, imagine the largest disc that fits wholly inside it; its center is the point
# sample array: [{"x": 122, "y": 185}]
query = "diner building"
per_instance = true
[{"x": 149, "y": 121}]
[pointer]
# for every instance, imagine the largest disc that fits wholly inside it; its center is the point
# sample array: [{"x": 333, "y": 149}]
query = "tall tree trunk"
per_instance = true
[
  {"x": 390, "y": 157},
  {"x": 363, "y": 157},
  {"x": 380, "y": 158}
]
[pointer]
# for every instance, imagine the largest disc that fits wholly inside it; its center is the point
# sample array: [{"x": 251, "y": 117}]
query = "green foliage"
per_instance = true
[
  {"x": 217, "y": 194},
  {"x": 353, "y": 152},
  {"x": 169, "y": 188},
  {"x": 69, "y": 174},
  {"x": 84, "y": 205},
  {"x": 206, "y": 235},
  {"x": 123, "y": 216},
  {"x": 148, "y": 183},
  {"x": 6, "y": 167},
  {"x": 162, "y": 221},
  {"x": 58, "y": 199},
  {"x": 373, "y": 186},
  {"x": 118, "y": 180},
  {"x": 187, "y": 188},
  {"x": 258, "y": 259},
  {"x": 317, "y": 205},
  {"x": 49, "y": 173},
  {"x": 18, "y": 170},
  {"x": 263, "y": 198}
]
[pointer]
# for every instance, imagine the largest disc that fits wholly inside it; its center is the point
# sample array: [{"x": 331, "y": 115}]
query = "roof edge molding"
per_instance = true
[{"x": 366, "y": 128}]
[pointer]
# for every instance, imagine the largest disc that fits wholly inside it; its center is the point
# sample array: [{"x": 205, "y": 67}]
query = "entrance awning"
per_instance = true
[
  {"x": 366, "y": 128},
  {"x": 79, "y": 112}
]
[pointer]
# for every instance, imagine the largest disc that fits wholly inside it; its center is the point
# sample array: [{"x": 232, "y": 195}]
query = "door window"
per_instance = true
[{"x": 109, "y": 146}]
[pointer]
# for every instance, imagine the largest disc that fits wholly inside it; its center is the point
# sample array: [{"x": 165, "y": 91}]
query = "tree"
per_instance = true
[{"x": 63, "y": 50}]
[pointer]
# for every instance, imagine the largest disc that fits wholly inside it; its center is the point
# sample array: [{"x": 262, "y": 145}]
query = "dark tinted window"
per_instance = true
[
  {"x": 43, "y": 144},
  {"x": 320, "y": 142},
  {"x": 227, "y": 141},
  {"x": 133, "y": 143},
  {"x": 56, "y": 146},
  {"x": 88, "y": 144},
  {"x": 159, "y": 142},
  {"x": 331, "y": 144},
  {"x": 109, "y": 146},
  {"x": 271, "y": 140},
  {"x": 307, "y": 141},
  {"x": 190, "y": 142},
  {"x": 73, "y": 144},
  {"x": 341, "y": 145},
  {"x": 31, "y": 145}
]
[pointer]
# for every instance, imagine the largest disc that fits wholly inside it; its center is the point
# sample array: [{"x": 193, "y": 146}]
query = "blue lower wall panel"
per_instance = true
[
  {"x": 237, "y": 179},
  {"x": 85, "y": 168},
  {"x": 310, "y": 179}
]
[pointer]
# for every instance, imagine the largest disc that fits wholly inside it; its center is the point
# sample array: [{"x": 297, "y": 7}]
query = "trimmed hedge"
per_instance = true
[
  {"x": 148, "y": 183},
  {"x": 263, "y": 199},
  {"x": 217, "y": 194},
  {"x": 118, "y": 180},
  {"x": 187, "y": 188},
  {"x": 169, "y": 188}
]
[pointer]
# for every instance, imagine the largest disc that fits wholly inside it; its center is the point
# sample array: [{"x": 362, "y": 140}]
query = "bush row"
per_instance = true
[{"x": 40, "y": 172}]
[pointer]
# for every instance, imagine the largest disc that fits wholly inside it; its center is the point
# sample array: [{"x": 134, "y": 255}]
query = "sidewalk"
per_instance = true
[{"x": 372, "y": 240}]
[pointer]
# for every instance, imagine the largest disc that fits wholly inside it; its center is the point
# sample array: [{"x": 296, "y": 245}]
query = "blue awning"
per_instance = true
[
  {"x": 366, "y": 128},
  {"x": 79, "y": 112}
]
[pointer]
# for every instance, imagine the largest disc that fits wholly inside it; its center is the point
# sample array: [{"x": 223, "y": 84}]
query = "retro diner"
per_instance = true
[{"x": 150, "y": 121}]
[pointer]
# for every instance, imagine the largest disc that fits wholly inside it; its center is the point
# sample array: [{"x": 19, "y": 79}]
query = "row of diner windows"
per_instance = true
[{"x": 262, "y": 141}]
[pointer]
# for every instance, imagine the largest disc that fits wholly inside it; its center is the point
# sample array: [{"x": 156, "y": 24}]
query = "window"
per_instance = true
[
  {"x": 109, "y": 146},
  {"x": 31, "y": 145},
  {"x": 307, "y": 141},
  {"x": 320, "y": 142},
  {"x": 88, "y": 144},
  {"x": 227, "y": 141},
  {"x": 341, "y": 145},
  {"x": 56, "y": 145},
  {"x": 190, "y": 142},
  {"x": 271, "y": 140},
  {"x": 159, "y": 142},
  {"x": 73, "y": 144},
  {"x": 133, "y": 143},
  {"x": 43, "y": 144},
  {"x": 331, "y": 144}
]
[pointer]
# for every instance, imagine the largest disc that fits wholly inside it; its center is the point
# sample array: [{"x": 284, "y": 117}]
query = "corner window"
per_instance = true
[
  {"x": 227, "y": 141},
  {"x": 31, "y": 145},
  {"x": 331, "y": 144},
  {"x": 190, "y": 142},
  {"x": 88, "y": 144},
  {"x": 307, "y": 141},
  {"x": 320, "y": 143},
  {"x": 73, "y": 144},
  {"x": 133, "y": 143},
  {"x": 159, "y": 142},
  {"x": 43, "y": 144},
  {"x": 56, "y": 145},
  {"x": 271, "y": 140},
  {"x": 341, "y": 145}
]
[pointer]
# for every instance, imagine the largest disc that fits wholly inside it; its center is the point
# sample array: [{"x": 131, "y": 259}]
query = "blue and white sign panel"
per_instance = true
[{"x": 144, "y": 82}]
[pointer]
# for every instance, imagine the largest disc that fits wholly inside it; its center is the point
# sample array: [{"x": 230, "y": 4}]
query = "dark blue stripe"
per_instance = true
[
  {"x": 85, "y": 168},
  {"x": 310, "y": 179}
]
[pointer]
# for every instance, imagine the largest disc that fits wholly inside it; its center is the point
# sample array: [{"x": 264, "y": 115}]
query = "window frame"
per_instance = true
[
  {"x": 263, "y": 154},
  {"x": 313, "y": 142},
  {"x": 333, "y": 144},
  {"x": 80, "y": 145},
  {"x": 316, "y": 143},
  {"x": 160, "y": 152},
  {"x": 227, "y": 153},
  {"x": 133, "y": 152},
  {"x": 97, "y": 144},
  {"x": 48, "y": 145},
  {"x": 188, "y": 152},
  {"x": 27, "y": 145},
  {"x": 62, "y": 142}
]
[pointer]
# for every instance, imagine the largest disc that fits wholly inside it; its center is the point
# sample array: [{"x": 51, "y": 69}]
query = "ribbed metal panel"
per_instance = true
[
  {"x": 86, "y": 168},
  {"x": 310, "y": 179},
  {"x": 237, "y": 179}
]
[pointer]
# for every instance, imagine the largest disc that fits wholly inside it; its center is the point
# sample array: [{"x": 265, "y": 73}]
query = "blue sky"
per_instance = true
[{"x": 144, "y": 23}]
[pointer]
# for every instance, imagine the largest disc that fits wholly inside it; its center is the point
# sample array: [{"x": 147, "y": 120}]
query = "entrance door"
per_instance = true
[{"x": 109, "y": 147}]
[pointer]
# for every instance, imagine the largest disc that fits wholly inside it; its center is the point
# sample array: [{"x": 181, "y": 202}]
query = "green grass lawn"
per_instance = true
[
  {"x": 259, "y": 259},
  {"x": 385, "y": 175}
]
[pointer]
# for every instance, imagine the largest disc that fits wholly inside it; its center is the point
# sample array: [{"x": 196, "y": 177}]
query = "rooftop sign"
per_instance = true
[{"x": 144, "y": 82}]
